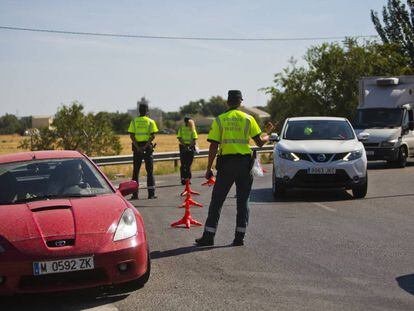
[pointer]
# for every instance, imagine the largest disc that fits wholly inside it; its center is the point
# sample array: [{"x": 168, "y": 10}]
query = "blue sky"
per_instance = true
[{"x": 39, "y": 72}]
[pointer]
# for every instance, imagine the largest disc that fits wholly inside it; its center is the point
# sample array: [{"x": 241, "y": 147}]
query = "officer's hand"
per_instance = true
[
  {"x": 209, "y": 174},
  {"x": 269, "y": 127}
]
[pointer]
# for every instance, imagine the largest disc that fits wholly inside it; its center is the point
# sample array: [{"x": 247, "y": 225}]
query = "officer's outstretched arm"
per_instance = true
[{"x": 261, "y": 140}]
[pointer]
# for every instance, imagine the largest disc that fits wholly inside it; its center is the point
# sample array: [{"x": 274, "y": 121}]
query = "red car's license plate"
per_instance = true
[{"x": 63, "y": 265}]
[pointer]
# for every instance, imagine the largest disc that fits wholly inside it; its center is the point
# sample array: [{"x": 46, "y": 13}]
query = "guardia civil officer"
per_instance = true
[
  {"x": 142, "y": 132},
  {"x": 187, "y": 136},
  {"x": 229, "y": 139}
]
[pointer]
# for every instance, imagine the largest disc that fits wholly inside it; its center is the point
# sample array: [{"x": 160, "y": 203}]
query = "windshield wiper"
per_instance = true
[{"x": 53, "y": 196}]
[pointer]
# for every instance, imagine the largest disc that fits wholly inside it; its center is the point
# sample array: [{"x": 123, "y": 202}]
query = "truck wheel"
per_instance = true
[
  {"x": 278, "y": 190},
  {"x": 360, "y": 191},
  {"x": 402, "y": 157}
]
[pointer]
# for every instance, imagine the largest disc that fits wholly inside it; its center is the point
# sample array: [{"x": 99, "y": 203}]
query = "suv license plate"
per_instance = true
[
  {"x": 321, "y": 170},
  {"x": 64, "y": 265}
]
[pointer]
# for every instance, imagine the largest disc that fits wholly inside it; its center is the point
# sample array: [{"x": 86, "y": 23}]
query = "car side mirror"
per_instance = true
[
  {"x": 274, "y": 137},
  {"x": 128, "y": 187},
  {"x": 363, "y": 136}
]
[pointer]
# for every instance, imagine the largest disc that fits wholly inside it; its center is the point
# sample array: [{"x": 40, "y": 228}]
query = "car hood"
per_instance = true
[
  {"x": 60, "y": 219},
  {"x": 380, "y": 135},
  {"x": 319, "y": 146}
]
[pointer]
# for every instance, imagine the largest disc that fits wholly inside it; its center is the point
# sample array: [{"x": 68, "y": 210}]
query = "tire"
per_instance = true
[
  {"x": 402, "y": 157},
  {"x": 278, "y": 190},
  {"x": 360, "y": 191}
]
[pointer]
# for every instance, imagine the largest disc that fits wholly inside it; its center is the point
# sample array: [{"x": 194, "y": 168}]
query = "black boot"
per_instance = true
[
  {"x": 206, "y": 240},
  {"x": 134, "y": 196},
  {"x": 238, "y": 239}
]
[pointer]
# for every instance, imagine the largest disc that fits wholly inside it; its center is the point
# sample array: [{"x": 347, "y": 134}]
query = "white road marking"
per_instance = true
[
  {"x": 330, "y": 209},
  {"x": 108, "y": 307}
]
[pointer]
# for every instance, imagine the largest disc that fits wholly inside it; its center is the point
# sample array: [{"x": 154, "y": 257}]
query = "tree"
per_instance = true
[
  {"x": 327, "y": 85},
  {"x": 73, "y": 130},
  {"x": 192, "y": 108},
  {"x": 215, "y": 106},
  {"x": 9, "y": 124},
  {"x": 398, "y": 26}
]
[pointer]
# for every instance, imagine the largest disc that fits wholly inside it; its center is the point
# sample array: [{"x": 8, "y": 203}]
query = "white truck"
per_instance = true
[{"x": 385, "y": 112}]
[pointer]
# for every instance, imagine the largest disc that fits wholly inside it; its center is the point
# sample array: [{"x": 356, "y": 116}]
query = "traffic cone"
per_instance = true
[
  {"x": 190, "y": 201},
  {"x": 188, "y": 190},
  {"x": 187, "y": 220},
  {"x": 210, "y": 182}
]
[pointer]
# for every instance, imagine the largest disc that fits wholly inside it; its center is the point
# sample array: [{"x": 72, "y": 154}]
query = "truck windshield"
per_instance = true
[
  {"x": 378, "y": 118},
  {"x": 318, "y": 130}
]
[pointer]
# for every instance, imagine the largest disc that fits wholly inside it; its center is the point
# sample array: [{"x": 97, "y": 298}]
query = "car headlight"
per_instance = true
[
  {"x": 353, "y": 155},
  {"x": 127, "y": 226},
  {"x": 389, "y": 143},
  {"x": 2, "y": 249},
  {"x": 288, "y": 156}
]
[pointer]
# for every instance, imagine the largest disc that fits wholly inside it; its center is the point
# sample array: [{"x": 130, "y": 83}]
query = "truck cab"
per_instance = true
[{"x": 385, "y": 112}]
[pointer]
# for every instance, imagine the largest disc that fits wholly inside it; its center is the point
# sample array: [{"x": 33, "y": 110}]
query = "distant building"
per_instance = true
[
  {"x": 261, "y": 114},
  {"x": 42, "y": 121}
]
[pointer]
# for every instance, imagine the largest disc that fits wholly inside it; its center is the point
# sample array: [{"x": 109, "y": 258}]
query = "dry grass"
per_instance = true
[{"x": 9, "y": 143}]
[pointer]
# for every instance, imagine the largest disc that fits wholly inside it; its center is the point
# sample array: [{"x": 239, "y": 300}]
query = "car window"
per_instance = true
[
  {"x": 36, "y": 179},
  {"x": 318, "y": 130}
]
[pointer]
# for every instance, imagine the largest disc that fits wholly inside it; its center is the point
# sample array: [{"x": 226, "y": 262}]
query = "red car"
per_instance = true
[{"x": 64, "y": 226}]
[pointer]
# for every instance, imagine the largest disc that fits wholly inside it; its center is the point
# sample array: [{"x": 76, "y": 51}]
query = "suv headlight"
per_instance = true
[
  {"x": 353, "y": 155},
  {"x": 389, "y": 143},
  {"x": 127, "y": 226},
  {"x": 288, "y": 156}
]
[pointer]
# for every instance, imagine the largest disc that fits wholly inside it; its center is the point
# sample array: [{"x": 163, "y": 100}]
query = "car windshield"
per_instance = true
[
  {"x": 378, "y": 118},
  {"x": 52, "y": 178},
  {"x": 318, "y": 130}
]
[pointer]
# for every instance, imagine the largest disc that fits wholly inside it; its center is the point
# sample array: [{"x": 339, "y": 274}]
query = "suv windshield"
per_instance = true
[
  {"x": 318, "y": 130},
  {"x": 379, "y": 118},
  {"x": 52, "y": 178}
]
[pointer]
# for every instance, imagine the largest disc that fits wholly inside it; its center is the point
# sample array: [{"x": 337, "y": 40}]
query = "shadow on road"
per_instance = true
[
  {"x": 382, "y": 165},
  {"x": 183, "y": 250},
  {"x": 264, "y": 195},
  {"x": 406, "y": 282},
  {"x": 73, "y": 300}
]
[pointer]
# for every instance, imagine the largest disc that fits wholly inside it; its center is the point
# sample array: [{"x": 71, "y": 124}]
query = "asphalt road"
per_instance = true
[{"x": 315, "y": 250}]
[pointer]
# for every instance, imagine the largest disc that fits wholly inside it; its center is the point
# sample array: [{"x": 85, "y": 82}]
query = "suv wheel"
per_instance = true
[
  {"x": 278, "y": 189},
  {"x": 360, "y": 191}
]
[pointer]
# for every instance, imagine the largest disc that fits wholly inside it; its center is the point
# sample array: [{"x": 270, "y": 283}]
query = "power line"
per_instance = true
[{"x": 114, "y": 35}]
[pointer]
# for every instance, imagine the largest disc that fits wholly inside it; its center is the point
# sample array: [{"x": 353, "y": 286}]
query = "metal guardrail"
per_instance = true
[{"x": 162, "y": 156}]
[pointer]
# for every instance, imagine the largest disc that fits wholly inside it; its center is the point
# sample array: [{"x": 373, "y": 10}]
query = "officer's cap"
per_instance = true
[{"x": 234, "y": 95}]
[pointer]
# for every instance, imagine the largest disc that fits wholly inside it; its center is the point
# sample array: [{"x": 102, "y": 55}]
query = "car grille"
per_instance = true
[
  {"x": 315, "y": 157},
  {"x": 303, "y": 177},
  {"x": 62, "y": 280},
  {"x": 371, "y": 145},
  {"x": 303, "y": 156}
]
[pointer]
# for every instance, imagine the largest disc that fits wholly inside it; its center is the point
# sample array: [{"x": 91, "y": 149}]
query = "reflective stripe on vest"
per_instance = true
[
  {"x": 243, "y": 141},
  {"x": 142, "y": 132}
]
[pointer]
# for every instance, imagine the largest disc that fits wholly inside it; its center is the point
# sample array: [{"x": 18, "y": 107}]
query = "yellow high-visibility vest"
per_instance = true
[
  {"x": 143, "y": 128},
  {"x": 233, "y": 130},
  {"x": 186, "y": 134}
]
